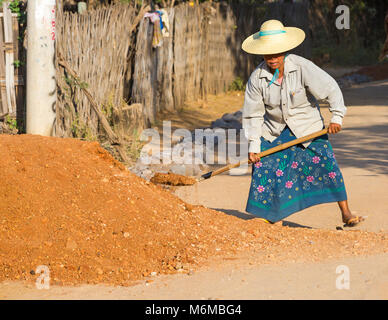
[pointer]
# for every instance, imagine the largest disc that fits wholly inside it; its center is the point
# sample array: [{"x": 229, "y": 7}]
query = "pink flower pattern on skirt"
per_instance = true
[
  {"x": 279, "y": 173},
  {"x": 260, "y": 189},
  {"x": 332, "y": 175},
  {"x": 316, "y": 159},
  {"x": 294, "y": 165},
  {"x": 258, "y": 164},
  {"x": 310, "y": 178},
  {"x": 289, "y": 184}
]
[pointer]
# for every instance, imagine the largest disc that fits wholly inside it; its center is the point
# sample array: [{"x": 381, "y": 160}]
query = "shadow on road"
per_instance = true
[
  {"x": 236, "y": 213},
  {"x": 247, "y": 216},
  {"x": 294, "y": 225},
  {"x": 372, "y": 93},
  {"x": 363, "y": 147}
]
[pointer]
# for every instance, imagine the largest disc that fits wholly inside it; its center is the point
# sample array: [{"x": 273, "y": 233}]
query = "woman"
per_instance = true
[{"x": 276, "y": 110}]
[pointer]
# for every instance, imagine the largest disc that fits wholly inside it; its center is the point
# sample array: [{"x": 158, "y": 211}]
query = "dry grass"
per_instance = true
[{"x": 196, "y": 114}]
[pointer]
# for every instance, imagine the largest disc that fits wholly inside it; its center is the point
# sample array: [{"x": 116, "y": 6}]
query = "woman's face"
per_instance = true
[{"x": 274, "y": 61}]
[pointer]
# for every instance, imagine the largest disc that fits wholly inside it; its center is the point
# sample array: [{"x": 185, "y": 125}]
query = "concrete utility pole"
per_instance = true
[{"x": 41, "y": 84}]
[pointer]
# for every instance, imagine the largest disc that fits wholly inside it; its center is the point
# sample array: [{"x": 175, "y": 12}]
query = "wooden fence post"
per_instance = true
[
  {"x": 4, "y": 104},
  {"x": 11, "y": 78}
]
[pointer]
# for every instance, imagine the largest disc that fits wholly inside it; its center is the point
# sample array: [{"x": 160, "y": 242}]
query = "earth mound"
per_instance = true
[{"x": 68, "y": 205}]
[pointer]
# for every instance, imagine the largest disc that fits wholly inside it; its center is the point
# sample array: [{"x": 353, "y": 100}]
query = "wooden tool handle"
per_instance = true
[{"x": 266, "y": 153}]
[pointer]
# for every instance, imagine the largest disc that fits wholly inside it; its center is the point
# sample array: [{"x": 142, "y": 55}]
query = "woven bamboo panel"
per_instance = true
[
  {"x": 201, "y": 56},
  {"x": 153, "y": 70},
  {"x": 96, "y": 45},
  {"x": 144, "y": 75},
  {"x": 220, "y": 64},
  {"x": 187, "y": 53}
]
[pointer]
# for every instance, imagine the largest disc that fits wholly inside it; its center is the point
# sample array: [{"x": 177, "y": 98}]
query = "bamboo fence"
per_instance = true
[
  {"x": 201, "y": 56},
  {"x": 11, "y": 72},
  {"x": 97, "y": 45}
]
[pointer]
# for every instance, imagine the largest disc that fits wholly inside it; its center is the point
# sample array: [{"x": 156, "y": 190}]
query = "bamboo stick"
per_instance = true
[{"x": 266, "y": 153}]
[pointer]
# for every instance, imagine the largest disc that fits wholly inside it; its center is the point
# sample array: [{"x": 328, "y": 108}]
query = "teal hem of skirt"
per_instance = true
[{"x": 297, "y": 204}]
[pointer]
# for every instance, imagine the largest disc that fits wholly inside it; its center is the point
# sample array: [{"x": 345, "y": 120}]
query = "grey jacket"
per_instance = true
[{"x": 268, "y": 109}]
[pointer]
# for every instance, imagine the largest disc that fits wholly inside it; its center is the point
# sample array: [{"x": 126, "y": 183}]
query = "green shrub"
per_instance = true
[{"x": 238, "y": 84}]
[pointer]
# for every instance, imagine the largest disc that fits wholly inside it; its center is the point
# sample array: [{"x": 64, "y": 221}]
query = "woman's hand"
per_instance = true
[
  {"x": 253, "y": 157},
  {"x": 334, "y": 128}
]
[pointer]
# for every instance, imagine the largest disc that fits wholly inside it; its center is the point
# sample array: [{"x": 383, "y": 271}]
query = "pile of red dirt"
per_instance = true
[
  {"x": 375, "y": 72},
  {"x": 69, "y": 205},
  {"x": 172, "y": 179}
]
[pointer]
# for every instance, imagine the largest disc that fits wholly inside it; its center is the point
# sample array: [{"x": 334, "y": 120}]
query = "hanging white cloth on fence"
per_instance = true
[{"x": 166, "y": 23}]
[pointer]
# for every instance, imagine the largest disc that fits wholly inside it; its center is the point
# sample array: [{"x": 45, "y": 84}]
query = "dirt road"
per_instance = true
[{"x": 362, "y": 155}]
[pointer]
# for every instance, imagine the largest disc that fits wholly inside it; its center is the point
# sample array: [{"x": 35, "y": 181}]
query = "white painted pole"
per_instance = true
[{"x": 41, "y": 84}]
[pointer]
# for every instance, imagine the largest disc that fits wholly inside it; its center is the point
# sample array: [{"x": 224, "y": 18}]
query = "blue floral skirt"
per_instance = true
[{"x": 294, "y": 179}]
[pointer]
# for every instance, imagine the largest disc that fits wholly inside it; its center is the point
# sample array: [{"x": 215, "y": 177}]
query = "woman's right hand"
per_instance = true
[{"x": 253, "y": 157}]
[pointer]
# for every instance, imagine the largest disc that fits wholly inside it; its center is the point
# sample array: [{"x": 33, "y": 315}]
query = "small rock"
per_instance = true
[
  {"x": 228, "y": 117},
  {"x": 188, "y": 207}
]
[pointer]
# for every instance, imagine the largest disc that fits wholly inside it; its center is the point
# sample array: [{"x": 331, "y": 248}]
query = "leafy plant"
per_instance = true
[
  {"x": 135, "y": 145},
  {"x": 18, "y": 63},
  {"x": 107, "y": 108},
  {"x": 238, "y": 84},
  {"x": 81, "y": 130},
  {"x": 359, "y": 45},
  {"x": 11, "y": 123},
  {"x": 70, "y": 81}
]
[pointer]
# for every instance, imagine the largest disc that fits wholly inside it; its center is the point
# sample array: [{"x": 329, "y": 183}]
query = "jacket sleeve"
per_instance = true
[
  {"x": 322, "y": 86},
  {"x": 253, "y": 114}
]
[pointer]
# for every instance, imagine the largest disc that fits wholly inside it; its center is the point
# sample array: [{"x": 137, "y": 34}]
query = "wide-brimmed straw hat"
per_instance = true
[{"x": 272, "y": 38}]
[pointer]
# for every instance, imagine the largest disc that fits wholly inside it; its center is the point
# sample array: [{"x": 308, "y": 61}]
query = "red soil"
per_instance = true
[
  {"x": 376, "y": 72},
  {"x": 69, "y": 205}
]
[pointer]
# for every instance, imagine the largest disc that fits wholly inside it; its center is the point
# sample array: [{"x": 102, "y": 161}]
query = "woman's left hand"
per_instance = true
[{"x": 334, "y": 128}]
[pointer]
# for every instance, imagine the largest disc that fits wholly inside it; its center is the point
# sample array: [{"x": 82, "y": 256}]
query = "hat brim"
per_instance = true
[{"x": 292, "y": 38}]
